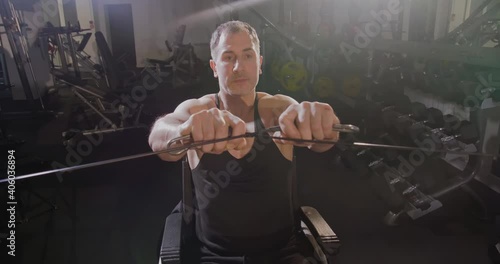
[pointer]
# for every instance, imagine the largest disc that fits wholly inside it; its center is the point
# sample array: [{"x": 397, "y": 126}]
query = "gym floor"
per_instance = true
[{"x": 115, "y": 213}]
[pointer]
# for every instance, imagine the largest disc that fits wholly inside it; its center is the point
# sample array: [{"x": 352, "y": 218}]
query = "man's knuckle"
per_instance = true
[{"x": 306, "y": 105}]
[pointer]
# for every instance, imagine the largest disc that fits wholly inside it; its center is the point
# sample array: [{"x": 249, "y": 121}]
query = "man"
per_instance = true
[{"x": 241, "y": 185}]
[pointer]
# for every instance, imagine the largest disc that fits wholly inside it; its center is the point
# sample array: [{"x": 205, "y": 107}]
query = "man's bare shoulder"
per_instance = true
[{"x": 277, "y": 101}]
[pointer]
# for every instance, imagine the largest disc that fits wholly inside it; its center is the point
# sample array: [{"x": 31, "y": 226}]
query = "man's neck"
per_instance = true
[{"x": 239, "y": 106}]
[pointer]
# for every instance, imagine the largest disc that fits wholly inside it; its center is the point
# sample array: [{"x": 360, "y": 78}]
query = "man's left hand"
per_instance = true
[{"x": 309, "y": 120}]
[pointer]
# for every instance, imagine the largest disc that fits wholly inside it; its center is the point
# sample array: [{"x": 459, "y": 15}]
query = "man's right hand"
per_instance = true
[{"x": 213, "y": 124}]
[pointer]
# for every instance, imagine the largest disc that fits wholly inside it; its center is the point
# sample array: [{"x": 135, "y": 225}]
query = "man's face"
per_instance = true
[{"x": 237, "y": 64}]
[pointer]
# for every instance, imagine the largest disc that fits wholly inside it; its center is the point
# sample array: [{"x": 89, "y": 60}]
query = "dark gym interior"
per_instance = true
[{"x": 83, "y": 81}]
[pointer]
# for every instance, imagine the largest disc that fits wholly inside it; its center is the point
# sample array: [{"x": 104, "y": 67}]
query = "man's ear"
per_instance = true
[
  {"x": 214, "y": 69},
  {"x": 260, "y": 66}
]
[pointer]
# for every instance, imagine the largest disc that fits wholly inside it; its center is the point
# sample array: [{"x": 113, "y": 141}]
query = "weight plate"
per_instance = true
[
  {"x": 323, "y": 87},
  {"x": 351, "y": 86},
  {"x": 293, "y": 76}
]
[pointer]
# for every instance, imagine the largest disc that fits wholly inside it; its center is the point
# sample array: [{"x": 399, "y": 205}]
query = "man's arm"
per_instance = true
[{"x": 170, "y": 126}]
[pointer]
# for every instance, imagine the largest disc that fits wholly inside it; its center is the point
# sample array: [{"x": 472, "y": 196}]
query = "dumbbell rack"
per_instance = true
[{"x": 487, "y": 119}]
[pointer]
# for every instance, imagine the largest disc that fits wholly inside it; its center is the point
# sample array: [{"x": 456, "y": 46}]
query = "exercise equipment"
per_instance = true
[
  {"x": 58, "y": 44},
  {"x": 323, "y": 87},
  {"x": 183, "y": 67},
  {"x": 5, "y": 84},
  {"x": 293, "y": 76},
  {"x": 417, "y": 121},
  {"x": 393, "y": 187},
  {"x": 351, "y": 86},
  {"x": 15, "y": 29},
  {"x": 401, "y": 192},
  {"x": 418, "y": 113},
  {"x": 355, "y": 158},
  {"x": 478, "y": 28},
  {"x": 118, "y": 78},
  {"x": 108, "y": 103},
  {"x": 448, "y": 133},
  {"x": 386, "y": 113},
  {"x": 464, "y": 131},
  {"x": 430, "y": 124}
]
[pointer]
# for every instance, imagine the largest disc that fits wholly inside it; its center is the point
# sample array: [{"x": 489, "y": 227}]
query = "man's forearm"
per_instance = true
[{"x": 164, "y": 129}]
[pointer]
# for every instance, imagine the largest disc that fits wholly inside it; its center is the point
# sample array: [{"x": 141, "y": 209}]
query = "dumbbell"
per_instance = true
[
  {"x": 374, "y": 111},
  {"x": 401, "y": 184},
  {"x": 358, "y": 160},
  {"x": 389, "y": 155},
  {"x": 366, "y": 158},
  {"x": 371, "y": 123},
  {"x": 418, "y": 113},
  {"x": 401, "y": 122},
  {"x": 411, "y": 193},
  {"x": 434, "y": 118},
  {"x": 466, "y": 133},
  {"x": 464, "y": 130},
  {"x": 374, "y": 131},
  {"x": 398, "y": 113},
  {"x": 420, "y": 133},
  {"x": 396, "y": 101},
  {"x": 362, "y": 160},
  {"x": 431, "y": 117}
]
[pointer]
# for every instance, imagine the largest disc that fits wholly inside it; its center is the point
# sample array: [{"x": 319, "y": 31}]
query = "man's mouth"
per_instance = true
[{"x": 240, "y": 80}]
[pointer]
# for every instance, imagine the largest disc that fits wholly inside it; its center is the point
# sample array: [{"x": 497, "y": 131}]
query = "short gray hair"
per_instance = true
[{"x": 230, "y": 27}]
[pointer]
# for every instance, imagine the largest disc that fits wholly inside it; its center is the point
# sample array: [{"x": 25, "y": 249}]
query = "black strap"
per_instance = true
[
  {"x": 293, "y": 193},
  {"x": 188, "y": 209},
  {"x": 217, "y": 101},
  {"x": 258, "y": 126}
]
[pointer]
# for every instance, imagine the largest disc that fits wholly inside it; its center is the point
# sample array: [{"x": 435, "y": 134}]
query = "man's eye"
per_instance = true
[
  {"x": 229, "y": 57},
  {"x": 249, "y": 56}
]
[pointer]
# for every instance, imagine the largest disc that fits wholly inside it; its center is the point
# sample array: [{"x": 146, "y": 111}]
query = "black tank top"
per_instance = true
[{"x": 244, "y": 205}]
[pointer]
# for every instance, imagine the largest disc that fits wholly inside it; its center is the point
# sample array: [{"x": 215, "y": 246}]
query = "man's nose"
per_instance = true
[{"x": 238, "y": 66}]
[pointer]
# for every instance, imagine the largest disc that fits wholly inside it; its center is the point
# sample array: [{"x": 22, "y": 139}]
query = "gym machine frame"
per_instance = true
[
  {"x": 15, "y": 29},
  {"x": 182, "y": 64},
  {"x": 98, "y": 99}
]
